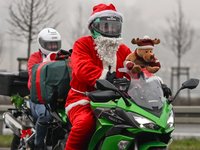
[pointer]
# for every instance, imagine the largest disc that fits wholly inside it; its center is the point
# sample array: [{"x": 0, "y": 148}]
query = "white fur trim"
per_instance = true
[
  {"x": 70, "y": 106},
  {"x": 105, "y": 67},
  {"x": 128, "y": 62},
  {"x": 113, "y": 65},
  {"x": 103, "y": 74},
  {"x": 146, "y": 37},
  {"x": 45, "y": 59},
  {"x": 105, "y": 70},
  {"x": 160, "y": 79},
  {"x": 48, "y": 56},
  {"x": 157, "y": 61},
  {"x": 77, "y": 91},
  {"x": 103, "y": 14},
  {"x": 145, "y": 47}
]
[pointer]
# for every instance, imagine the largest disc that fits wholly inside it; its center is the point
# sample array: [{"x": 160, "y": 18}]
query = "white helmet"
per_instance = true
[{"x": 46, "y": 36}]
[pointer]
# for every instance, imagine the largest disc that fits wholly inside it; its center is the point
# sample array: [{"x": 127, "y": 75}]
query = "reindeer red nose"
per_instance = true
[{"x": 152, "y": 57}]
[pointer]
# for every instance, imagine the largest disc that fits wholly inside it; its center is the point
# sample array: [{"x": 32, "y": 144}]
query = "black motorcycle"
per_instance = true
[{"x": 21, "y": 121}]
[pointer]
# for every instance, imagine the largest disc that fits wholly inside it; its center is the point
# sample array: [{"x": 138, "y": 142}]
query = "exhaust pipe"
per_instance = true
[{"x": 15, "y": 125}]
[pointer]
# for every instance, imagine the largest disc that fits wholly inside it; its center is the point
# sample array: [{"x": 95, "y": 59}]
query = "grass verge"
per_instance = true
[
  {"x": 6, "y": 140},
  {"x": 185, "y": 144},
  {"x": 182, "y": 144}
]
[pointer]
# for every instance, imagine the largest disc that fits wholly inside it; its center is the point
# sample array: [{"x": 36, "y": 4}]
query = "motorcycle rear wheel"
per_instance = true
[{"x": 16, "y": 144}]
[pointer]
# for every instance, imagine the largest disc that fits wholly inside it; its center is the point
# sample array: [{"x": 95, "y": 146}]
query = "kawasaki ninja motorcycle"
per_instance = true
[{"x": 133, "y": 116}]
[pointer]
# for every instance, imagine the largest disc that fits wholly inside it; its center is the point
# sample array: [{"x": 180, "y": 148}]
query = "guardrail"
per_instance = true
[
  {"x": 183, "y": 114},
  {"x": 187, "y": 114}
]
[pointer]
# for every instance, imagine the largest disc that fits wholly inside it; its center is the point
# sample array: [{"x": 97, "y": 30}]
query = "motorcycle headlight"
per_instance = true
[
  {"x": 145, "y": 123},
  {"x": 170, "y": 121}
]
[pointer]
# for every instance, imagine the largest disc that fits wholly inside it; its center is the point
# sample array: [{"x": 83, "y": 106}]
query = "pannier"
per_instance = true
[
  {"x": 13, "y": 83},
  {"x": 50, "y": 81}
]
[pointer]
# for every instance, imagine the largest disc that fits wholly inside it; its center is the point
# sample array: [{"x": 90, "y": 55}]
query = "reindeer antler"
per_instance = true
[
  {"x": 137, "y": 41},
  {"x": 156, "y": 41}
]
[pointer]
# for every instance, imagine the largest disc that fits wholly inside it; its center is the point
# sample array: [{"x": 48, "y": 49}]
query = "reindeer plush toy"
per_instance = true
[{"x": 143, "y": 56}]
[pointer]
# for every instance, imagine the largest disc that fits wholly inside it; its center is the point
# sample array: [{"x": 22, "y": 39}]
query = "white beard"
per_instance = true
[{"x": 107, "y": 48}]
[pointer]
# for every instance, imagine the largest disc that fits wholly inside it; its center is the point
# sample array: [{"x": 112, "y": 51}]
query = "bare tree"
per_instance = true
[
  {"x": 28, "y": 17},
  {"x": 1, "y": 43},
  {"x": 78, "y": 28},
  {"x": 179, "y": 36}
]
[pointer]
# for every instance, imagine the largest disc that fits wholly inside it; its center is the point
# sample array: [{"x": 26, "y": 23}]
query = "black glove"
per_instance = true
[
  {"x": 167, "y": 91},
  {"x": 110, "y": 76},
  {"x": 141, "y": 74}
]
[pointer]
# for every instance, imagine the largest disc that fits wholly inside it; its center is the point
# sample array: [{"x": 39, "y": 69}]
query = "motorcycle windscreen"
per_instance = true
[{"x": 146, "y": 92}]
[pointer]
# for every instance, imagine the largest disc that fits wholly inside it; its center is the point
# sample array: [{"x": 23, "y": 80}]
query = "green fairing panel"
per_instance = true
[
  {"x": 102, "y": 126},
  {"x": 111, "y": 142},
  {"x": 109, "y": 104},
  {"x": 152, "y": 144}
]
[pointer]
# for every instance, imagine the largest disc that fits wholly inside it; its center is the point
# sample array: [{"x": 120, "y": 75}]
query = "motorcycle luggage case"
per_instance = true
[{"x": 13, "y": 83}]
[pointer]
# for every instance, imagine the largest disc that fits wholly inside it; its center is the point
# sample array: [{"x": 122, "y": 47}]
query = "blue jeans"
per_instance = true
[{"x": 41, "y": 114}]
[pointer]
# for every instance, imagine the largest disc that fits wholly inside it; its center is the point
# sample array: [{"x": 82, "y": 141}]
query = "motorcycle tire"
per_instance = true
[
  {"x": 16, "y": 143},
  {"x": 99, "y": 145},
  {"x": 60, "y": 145}
]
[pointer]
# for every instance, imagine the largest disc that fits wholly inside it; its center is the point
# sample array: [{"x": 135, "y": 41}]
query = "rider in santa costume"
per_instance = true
[{"x": 94, "y": 57}]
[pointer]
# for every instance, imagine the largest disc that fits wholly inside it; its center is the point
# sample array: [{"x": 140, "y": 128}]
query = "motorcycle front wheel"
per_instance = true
[{"x": 18, "y": 143}]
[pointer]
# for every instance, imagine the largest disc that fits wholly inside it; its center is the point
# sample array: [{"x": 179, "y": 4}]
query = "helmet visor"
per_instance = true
[
  {"x": 52, "y": 46},
  {"x": 108, "y": 26}
]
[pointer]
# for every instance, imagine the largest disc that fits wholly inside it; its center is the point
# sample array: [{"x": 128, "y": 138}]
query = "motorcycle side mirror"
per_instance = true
[
  {"x": 189, "y": 84},
  {"x": 103, "y": 85}
]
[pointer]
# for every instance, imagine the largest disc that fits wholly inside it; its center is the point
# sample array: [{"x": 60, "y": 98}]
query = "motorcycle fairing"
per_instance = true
[{"x": 102, "y": 126}]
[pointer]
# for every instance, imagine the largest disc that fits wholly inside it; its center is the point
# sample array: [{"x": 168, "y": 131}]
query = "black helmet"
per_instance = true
[{"x": 109, "y": 26}]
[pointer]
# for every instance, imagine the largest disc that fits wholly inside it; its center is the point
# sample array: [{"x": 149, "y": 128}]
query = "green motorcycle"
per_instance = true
[{"x": 133, "y": 115}]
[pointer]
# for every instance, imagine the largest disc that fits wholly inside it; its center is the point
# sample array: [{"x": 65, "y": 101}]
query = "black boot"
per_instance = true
[{"x": 39, "y": 147}]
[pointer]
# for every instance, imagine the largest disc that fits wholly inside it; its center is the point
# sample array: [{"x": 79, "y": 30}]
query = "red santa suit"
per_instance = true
[
  {"x": 87, "y": 67},
  {"x": 34, "y": 59}
]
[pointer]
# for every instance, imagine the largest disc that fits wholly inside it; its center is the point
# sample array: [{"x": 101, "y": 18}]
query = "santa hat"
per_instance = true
[
  {"x": 103, "y": 10},
  {"x": 146, "y": 43}
]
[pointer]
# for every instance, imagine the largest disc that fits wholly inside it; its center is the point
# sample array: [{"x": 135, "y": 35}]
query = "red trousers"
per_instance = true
[{"x": 83, "y": 127}]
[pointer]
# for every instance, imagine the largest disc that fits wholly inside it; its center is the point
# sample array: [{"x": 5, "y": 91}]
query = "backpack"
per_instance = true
[{"x": 51, "y": 79}]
